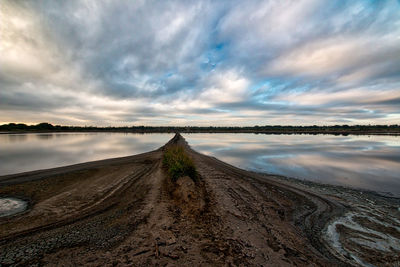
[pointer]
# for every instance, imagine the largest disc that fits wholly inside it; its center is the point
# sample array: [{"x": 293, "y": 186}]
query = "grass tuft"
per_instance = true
[{"x": 178, "y": 163}]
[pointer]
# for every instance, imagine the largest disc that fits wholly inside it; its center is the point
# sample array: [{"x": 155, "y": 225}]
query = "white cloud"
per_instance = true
[
  {"x": 352, "y": 96},
  {"x": 225, "y": 87},
  {"x": 351, "y": 56},
  {"x": 266, "y": 25}
]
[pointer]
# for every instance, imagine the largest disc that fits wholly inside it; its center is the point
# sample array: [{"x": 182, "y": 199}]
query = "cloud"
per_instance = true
[
  {"x": 200, "y": 62},
  {"x": 342, "y": 97},
  {"x": 348, "y": 58},
  {"x": 225, "y": 87}
]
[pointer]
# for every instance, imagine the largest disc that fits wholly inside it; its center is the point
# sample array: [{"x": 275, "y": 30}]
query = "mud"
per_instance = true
[{"x": 367, "y": 233}]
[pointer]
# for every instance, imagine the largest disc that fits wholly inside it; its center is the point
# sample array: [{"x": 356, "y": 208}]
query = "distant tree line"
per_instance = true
[{"x": 271, "y": 129}]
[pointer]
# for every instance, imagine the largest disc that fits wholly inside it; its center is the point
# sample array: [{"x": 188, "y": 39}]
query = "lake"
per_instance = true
[
  {"x": 367, "y": 162},
  {"x": 33, "y": 151}
]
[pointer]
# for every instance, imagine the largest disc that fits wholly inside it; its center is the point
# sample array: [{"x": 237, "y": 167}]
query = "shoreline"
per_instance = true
[
  {"x": 233, "y": 216},
  {"x": 338, "y": 133},
  {"x": 316, "y": 184}
]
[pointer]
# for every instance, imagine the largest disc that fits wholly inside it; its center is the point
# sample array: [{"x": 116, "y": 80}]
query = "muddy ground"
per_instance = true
[{"x": 127, "y": 212}]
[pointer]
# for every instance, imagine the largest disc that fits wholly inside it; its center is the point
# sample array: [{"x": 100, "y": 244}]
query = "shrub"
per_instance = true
[{"x": 178, "y": 163}]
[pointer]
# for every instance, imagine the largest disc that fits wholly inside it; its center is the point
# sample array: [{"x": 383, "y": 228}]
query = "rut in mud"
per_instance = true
[{"x": 127, "y": 211}]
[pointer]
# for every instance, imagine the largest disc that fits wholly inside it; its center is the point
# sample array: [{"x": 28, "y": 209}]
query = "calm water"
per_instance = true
[
  {"x": 368, "y": 162},
  {"x": 10, "y": 206},
  {"x": 27, "y": 152}
]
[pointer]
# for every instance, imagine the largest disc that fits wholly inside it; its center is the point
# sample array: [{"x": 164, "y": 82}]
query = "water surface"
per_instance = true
[
  {"x": 34, "y": 151},
  {"x": 10, "y": 206},
  {"x": 366, "y": 162}
]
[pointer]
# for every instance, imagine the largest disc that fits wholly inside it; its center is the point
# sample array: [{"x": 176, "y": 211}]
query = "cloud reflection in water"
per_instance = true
[
  {"x": 367, "y": 162},
  {"x": 28, "y": 152}
]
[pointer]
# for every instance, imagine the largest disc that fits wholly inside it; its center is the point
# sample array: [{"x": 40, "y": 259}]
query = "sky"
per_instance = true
[{"x": 220, "y": 63}]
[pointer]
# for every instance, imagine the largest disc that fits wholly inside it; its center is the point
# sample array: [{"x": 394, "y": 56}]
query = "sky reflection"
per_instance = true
[
  {"x": 367, "y": 162},
  {"x": 27, "y": 152}
]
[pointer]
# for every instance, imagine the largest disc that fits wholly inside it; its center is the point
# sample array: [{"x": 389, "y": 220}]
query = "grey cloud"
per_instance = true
[
  {"x": 392, "y": 101},
  {"x": 133, "y": 48},
  {"x": 11, "y": 100}
]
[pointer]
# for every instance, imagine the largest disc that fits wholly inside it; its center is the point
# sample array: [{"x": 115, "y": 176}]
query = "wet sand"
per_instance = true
[{"x": 126, "y": 211}]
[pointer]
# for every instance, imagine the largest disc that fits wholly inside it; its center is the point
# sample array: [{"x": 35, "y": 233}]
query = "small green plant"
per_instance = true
[{"x": 178, "y": 163}]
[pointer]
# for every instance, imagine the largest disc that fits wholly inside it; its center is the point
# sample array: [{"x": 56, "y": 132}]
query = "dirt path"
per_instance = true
[{"x": 128, "y": 212}]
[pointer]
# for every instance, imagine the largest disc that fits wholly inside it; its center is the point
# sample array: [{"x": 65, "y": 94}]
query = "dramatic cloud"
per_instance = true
[{"x": 200, "y": 62}]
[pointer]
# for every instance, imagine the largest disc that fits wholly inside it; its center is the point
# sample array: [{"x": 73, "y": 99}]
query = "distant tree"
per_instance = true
[{"x": 44, "y": 126}]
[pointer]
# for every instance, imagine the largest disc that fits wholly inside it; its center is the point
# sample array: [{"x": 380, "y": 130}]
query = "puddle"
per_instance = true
[{"x": 10, "y": 206}]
